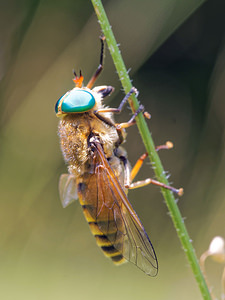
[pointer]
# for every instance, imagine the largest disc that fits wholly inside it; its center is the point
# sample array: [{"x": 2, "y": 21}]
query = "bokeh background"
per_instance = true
[{"x": 176, "y": 56}]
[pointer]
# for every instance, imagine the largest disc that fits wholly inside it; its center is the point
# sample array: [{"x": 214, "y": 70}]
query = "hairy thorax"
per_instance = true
[{"x": 75, "y": 131}]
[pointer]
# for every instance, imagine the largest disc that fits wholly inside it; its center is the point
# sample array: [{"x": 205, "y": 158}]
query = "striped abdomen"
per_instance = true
[{"x": 102, "y": 240}]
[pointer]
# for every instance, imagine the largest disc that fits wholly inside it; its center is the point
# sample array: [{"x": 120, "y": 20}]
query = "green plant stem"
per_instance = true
[{"x": 150, "y": 147}]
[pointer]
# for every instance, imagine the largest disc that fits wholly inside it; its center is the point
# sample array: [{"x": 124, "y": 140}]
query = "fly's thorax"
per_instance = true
[
  {"x": 74, "y": 130},
  {"x": 107, "y": 135}
]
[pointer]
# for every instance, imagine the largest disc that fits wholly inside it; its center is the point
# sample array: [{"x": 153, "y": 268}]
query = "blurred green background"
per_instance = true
[{"x": 47, "y": 252}]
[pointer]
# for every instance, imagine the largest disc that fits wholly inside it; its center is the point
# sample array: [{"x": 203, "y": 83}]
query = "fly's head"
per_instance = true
[{"x": 81, "y": 99}]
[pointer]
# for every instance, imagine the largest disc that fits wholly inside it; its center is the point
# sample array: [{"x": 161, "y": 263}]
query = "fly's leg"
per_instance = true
[
  {"x": 120, "y": 127},
  {"x": 137, "y": 166},
  {"x": 147, "y": 181},
  {"x": 115, "y": 110},
  {"x": 129, "y": 176},
  {"x": 132, "y": 121},
  {"x": 121, "y": 106},
  {"x": 139, "y": 163},
  {"x": 100, "y": 67}
]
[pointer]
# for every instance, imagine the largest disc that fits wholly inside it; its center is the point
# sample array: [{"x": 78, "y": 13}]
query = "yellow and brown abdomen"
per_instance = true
[{"x": 100, "y": 215}]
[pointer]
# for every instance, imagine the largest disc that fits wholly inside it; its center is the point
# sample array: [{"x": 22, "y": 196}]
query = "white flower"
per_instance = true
[{"x": 217, "y": 249}]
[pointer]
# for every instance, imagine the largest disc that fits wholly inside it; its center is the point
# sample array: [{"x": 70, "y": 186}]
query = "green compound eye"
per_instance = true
[{"x": 75, "y": 101}]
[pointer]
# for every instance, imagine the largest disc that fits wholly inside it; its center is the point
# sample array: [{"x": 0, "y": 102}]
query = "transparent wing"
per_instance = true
[
  {"x": 116, "y": 218},
  {"x": 67, "y": 189}
]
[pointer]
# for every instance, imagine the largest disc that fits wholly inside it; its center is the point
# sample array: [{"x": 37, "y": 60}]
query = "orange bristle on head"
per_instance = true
[{"x": 78, "y": 80}]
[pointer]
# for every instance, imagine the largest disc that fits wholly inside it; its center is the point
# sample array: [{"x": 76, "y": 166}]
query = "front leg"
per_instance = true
[
  {"x": 120, "y": 127},
  {"x": 121, "y": 106}
]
